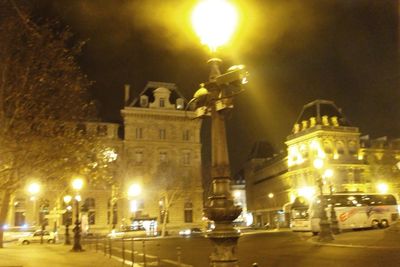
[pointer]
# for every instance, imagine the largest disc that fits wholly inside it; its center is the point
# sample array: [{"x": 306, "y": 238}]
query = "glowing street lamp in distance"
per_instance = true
[
  {"x": 318, "y": 163},
  {"x": 134, "y": 190},
  {"x": 383, "y": 188},
  {"x": 307, "y": 191},
  {"x": 67, "y": 199},
  {"x": 77, "y": 184},
  {"x": 33, "y": 188},
  {"x": 214, "y": 21}
]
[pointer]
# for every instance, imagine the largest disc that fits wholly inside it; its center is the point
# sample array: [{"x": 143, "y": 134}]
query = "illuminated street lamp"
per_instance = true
[
  {"x": 328, "y": 174},
  {"x": 134, "y": 191},
  {"x": 77, "y": 185},
  {"x": 214, "y": 21},
  {"x": 33, "y": 190},
  {"x": 325, "y": 233},
  {"x": 67, "y": 199},
  {"x": 383, "y": 188}
]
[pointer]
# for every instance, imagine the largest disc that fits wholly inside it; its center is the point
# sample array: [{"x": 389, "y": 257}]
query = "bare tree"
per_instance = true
[{"x": 43, "y": 95}]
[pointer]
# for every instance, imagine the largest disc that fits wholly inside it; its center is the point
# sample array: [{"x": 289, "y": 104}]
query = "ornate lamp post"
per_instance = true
[
  {"x": 325, "y": 233},
  {"x": 67, "y": 199},
  {"x": 77, "y": 185},
  {"x": 334, "y": 222},
  {"x": 214, "y": 22},
  {"x": 34, "y": 189}
]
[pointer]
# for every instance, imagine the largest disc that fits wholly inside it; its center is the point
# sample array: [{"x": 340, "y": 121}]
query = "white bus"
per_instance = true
[{"x": 353, "y": 211}]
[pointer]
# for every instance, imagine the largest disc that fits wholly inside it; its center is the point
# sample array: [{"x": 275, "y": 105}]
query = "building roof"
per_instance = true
[
  {"x": 320, "y": 113},
  {"x": 152, "y": 87},
  {"x": 319, "y": 108}
]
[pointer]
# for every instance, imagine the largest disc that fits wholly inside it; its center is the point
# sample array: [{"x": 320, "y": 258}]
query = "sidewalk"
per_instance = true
[
  {"x": 59, "y": 255},
  {"x": 379, "y": 239}
]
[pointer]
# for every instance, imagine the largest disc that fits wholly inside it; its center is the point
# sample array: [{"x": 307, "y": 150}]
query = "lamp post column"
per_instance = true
[
  {"x": 221, "y": 208},
  {"x": 77, "y": 185},
  {"x": 77, "y": 229},
  {"x": 334, "y": 222},
  {"x": 68, "y": 219},
  {"x": 325, "y": 233}
]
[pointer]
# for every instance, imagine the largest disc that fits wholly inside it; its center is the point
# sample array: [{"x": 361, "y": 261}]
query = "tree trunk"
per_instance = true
[{"x": 3, "y": 214}]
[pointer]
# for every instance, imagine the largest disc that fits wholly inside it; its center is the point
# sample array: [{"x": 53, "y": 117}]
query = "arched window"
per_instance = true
[
  {"x": 352, "y": 148},
  {"x": 328, "y": 149},
  {"x": 340, "y": 147}
]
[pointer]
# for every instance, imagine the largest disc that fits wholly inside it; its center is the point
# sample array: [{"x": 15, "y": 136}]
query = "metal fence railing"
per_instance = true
[{"x": 130, "y": 251}]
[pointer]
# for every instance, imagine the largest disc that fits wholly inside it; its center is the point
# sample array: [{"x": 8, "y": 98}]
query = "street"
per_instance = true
[{"x": 271, "y": 248}]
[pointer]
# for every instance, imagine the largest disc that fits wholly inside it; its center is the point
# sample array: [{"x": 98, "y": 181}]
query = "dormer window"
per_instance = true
[
  {"x": 162, "y": 102},
  {"x": 144, "y": 101}
]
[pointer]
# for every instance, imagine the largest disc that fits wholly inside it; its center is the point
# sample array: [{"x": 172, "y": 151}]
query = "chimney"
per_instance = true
[{"x": 127, "y": 88}]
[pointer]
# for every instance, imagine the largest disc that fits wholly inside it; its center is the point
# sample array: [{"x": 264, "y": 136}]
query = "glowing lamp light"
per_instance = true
[
  {"x": 214, "y": 21},
  {"x": 67, "y": 199},
  {"x": 307, "y": 192},
  {"x": 134, "y": 190},
  {"x": 328, "y": 173},
  {"x": 34, "y": 188},
  {"x": 271, "y": 195},
  {"x": 383, "y": 188},
  {"x": 318, "y": 163},
  {"x": 78, "y": 198},
  {"x": 77, "y": 184},
  {"x": 133, "y": 206}
]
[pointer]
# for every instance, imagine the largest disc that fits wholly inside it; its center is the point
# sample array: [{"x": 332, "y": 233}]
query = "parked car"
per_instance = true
[
  {"x": 36, "y": 237},
  {"x": 191, "y": 232}
]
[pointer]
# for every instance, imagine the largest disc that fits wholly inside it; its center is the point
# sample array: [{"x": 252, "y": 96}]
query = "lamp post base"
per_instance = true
[
  {"x": 224, "y": 243},
  {"x": 325, "y": 235},
  {"x": 67, "y": 239},
  {"x": 77, "y": 238},
  {"x": 335, "y": 227}
]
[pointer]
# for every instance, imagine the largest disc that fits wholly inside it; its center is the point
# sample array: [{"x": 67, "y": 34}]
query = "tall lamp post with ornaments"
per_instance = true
[
  {"x": 77, "y": 185},
  {"x": 325, "y": 233},
  {"x": 214, "y": 21},
  {"x": 328, "y": 174}
]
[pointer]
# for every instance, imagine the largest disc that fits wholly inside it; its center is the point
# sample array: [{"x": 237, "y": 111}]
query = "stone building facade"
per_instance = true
[
  {"x": 322, "y": 131},
  {"x": 160, "y": 152}
]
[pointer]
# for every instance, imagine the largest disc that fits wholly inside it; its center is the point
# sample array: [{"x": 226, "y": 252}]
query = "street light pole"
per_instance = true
[
  {"x": 334, "y": 222},
  {"x": 77, "y": 185},
  {"x": 67, "y": 200},
  {"x": 215, "y": 22},
  {"x": 325, "y": 233},
  {"x": 221, "y": 208}
]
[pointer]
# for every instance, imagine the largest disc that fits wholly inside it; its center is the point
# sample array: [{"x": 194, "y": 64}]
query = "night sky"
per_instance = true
[{"x": 296, "y": 52}]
